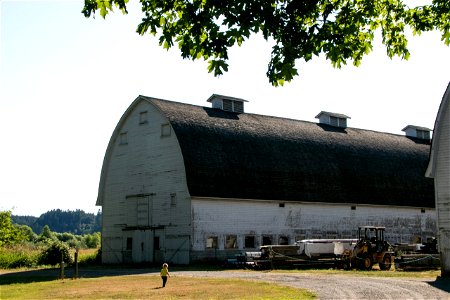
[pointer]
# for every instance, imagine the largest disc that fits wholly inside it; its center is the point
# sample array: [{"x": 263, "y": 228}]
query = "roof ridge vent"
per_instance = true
[
  {"x": 227, "y": 103},
  {"x": 419, "y": 132},
  {"x": 333, "y": 119}
]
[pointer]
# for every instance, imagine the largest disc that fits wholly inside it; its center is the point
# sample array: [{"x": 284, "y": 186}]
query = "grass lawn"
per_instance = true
[
  {"x": 149, "y": 287},
  {"x": 25, "y": 284}
]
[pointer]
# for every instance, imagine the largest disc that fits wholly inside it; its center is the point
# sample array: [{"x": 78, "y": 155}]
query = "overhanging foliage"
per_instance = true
[{"x": 341, "y": 29}]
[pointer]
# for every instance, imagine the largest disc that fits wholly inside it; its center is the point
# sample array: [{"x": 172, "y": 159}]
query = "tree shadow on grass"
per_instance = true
[{"x": 41, "y": 275}]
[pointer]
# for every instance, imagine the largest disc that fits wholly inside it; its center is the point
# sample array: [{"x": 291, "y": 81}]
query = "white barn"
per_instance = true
[
  {"x": 439, "y": 169},
  {"x": 182, "y": 183}
]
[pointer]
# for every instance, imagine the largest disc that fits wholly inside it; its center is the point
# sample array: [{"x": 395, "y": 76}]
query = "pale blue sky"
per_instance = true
[{"x": 66, "y": 80}]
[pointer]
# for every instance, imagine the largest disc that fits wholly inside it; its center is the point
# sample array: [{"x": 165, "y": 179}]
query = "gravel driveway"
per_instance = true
[{"x": 343, "y": 286}]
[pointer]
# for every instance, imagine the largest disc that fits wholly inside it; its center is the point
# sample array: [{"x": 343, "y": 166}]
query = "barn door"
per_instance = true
[
  {"x": 138, "y": 246},
  {"x": 138, "y": 235}
]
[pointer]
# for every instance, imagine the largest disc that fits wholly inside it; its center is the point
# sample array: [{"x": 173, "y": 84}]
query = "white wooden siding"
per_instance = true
[
  {"x": 442, "y": 186},
  {"x": 442, "y": 175},
  {"x": 216, "y": 217},
  {"x": 150, "y": 164}
]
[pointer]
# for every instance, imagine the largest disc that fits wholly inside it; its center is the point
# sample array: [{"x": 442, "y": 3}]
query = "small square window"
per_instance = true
[
  {"x": 165, "y": 130},
  {"x": 353, "y": 207},
  {"x": 143, "y": 115},
  {"x": 123, "y": 138},
  {"x": 281, "y": 205},
  {"x": 249, "y": 241},
  {"x": 211, "y": 242},
  {"x": 231, "y": 242}
]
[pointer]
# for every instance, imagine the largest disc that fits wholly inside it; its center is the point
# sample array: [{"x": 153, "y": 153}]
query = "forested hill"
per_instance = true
[{"x": 76, "y": 222}]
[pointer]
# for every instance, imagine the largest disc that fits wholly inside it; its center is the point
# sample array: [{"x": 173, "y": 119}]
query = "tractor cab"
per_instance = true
[
  {"x": 372, "y": 236},
  {"x": 372, "y": 248}
]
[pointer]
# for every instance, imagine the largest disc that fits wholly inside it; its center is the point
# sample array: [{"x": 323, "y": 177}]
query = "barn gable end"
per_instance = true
[
  {"x": 143, "y": 193},
  {"x": 439, "y": 169}
]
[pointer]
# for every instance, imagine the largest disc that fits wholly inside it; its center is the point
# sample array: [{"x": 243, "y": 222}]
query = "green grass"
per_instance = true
[
  {"x": 149, "y": 287},
  {"x": 88, "y": 257}
]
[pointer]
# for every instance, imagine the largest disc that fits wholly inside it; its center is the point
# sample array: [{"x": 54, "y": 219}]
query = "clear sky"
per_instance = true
[{"x": 66, "y": 80}]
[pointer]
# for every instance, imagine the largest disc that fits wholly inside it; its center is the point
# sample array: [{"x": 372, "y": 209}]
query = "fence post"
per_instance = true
[
  {"x": 76, "y": 263},
  {"x": 61, "y": 267}
]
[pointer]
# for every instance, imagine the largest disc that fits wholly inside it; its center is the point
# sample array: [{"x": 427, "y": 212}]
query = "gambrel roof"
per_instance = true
[
  {"x": 250, "y": 156},
  {"x": 438, "y": 137}
]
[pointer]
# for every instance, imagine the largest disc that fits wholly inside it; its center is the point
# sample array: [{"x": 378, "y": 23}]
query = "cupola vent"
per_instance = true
[
  {"x": 227, "y": 103},
  {"x": 417, "y": 132},
  {"x": 333, "y": 119}
]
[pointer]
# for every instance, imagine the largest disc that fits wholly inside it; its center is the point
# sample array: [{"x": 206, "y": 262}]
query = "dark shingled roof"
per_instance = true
[{"x": 249, "y": 156}]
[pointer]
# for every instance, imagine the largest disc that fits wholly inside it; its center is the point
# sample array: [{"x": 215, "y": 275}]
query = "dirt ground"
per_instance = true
[{"x": 326, "y": 286}]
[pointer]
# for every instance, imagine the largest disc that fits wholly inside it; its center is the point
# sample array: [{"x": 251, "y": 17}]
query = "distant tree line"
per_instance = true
[{"x": 75, "y": 222}]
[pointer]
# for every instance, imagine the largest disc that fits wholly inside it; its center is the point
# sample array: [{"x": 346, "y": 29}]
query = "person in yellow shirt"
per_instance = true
[{"x": 165, "y": 273}]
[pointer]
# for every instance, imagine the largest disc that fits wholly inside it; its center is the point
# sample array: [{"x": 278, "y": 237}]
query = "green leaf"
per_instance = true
[{"x": 341, "y": 30}]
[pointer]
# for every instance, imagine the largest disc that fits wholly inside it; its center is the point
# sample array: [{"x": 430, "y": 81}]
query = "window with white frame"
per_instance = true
[
  {"x": 231, "y": 242},
  {"x": 211, "y": 242}
]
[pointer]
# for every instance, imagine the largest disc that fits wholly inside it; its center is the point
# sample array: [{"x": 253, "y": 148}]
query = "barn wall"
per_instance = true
[
  {"x": 145, "y": 200},
  {"x": 219, "y": 219},
  {"x": 442, "y": 188}
]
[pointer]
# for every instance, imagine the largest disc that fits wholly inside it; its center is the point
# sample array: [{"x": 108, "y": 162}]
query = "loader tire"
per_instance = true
[
  {"x": 385, "y": 264},
  {"x": 365, "y": 262}
]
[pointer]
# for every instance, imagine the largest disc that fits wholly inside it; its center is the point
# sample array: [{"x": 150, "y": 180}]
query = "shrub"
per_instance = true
[
  {"x": 90, "y": 258},
  {"x": 19, "y": 256},
  {"x": 65, "y": 236},
  {"x": 92, "y": 240},
  {"x": 52, "y": 254}
]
